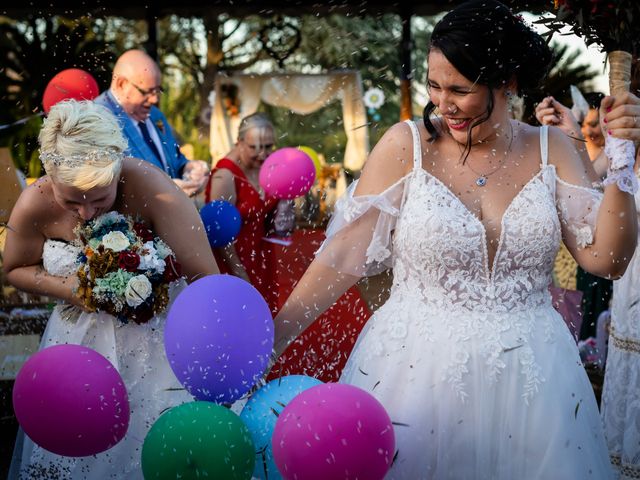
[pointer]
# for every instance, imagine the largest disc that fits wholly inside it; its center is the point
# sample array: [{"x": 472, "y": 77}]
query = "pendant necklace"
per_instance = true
[{"x": 481, "y": 181}]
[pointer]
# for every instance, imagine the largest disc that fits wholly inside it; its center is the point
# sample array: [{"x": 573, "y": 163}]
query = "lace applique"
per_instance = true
[
  {"x": 625, "y": 179},
  {"x": 368, "y": 222},
  {"x": 621, "y": 154},
  {"x": 578, "y": 208},
  {"x": 59, "y": 258}
]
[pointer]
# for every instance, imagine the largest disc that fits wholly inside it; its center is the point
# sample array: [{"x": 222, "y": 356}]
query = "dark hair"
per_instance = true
[
  {"x": 489, "y": 45},
  {"x": 594, "y": 99}
]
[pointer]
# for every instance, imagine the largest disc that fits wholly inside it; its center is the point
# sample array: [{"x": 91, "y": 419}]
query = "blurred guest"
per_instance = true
[{"x": 135, "y": 91}]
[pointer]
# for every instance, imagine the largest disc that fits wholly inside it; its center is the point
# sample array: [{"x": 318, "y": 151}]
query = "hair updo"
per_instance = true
[
  {"x": 491, "y": 46},
  {"x": 82, "y": 145},
  {"x": 259, "y": 121}
]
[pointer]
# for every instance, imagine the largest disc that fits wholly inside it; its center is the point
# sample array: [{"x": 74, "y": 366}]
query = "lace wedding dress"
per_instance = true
[
  {"x": 137, "y": 351},
  {"x": 478, "y": 372},
  {"x": 621, "y": 393}
]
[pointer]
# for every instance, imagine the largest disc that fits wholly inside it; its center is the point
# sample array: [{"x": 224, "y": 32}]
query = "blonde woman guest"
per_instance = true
[
  {"x": 82, "y": 147},
  {"x": 235, "y": 179}
]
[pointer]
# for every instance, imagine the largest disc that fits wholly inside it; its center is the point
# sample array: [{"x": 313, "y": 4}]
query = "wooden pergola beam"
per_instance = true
[{"x": 137, "y": 9}]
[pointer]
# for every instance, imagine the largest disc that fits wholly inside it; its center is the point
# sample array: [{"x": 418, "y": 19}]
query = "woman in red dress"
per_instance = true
[
  {"x": 274, "y": 269},
  {"x": 235, "y": 179}
]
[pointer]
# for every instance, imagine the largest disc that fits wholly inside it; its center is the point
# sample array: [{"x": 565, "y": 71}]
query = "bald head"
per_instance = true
[
  {"x": 136, "y": 83},
  {"x": 135, "y": 65}
]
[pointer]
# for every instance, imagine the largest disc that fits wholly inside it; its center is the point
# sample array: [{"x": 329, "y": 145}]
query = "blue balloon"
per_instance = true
[
  {"x": 260, "y": 415},
  {"x": 222, "y": 222}
]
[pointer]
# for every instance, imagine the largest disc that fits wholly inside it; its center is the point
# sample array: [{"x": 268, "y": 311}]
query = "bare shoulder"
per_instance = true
[
  {"x": 562, "y": 151},
  {"x": 395, "y": 149},
  {"x": 140, "y": 178},
  {"x": 35, "y": 204}
]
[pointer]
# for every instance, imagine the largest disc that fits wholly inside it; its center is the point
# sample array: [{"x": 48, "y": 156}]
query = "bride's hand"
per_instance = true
[
  {"x": 72, "y": 283},
  {"x": 620, "y": 116}
]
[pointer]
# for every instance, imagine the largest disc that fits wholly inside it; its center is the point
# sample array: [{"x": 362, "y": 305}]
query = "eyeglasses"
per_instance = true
[{"x": 148, "y": 92}]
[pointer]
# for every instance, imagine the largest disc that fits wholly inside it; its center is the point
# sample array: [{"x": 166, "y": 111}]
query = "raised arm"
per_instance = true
[
  {"x": 364, "y": 215},
  {"x": 600, "y": 234}
]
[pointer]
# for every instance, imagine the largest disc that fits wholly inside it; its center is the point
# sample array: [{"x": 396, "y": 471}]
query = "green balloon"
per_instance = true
[{"x": 198, "y": 440}]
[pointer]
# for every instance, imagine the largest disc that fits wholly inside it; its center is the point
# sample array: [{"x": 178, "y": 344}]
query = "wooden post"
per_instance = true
[
  {"x": 405, "y": 68},
  {"x": 151, "y": 45}
]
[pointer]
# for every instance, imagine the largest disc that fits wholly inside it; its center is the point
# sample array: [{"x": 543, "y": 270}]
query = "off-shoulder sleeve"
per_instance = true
[
  {"x": 578, "y": 210},
  {"x": 360, "y": 233}
]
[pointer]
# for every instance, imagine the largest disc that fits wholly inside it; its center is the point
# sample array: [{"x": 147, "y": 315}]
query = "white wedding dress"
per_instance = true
[
  {"x": 137, "y": 351},
  {"x": 478, "y": 372},
  {"x": 621, "y": 392}
]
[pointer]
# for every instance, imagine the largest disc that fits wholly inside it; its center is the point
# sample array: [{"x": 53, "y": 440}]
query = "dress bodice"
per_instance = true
[
  {"x": 59, "y": 258},
  {"x": 456, "y": 274}
]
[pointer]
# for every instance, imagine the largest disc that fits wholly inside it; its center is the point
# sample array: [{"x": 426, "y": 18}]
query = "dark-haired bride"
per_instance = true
[{"x": 478, "y": 372}]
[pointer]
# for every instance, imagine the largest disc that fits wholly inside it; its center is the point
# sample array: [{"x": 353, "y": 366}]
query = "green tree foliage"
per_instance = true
[
  {"x": 31, "y": 53},
  {"x": 567, "y": 70},
  {"x": 369, "y": 44}
]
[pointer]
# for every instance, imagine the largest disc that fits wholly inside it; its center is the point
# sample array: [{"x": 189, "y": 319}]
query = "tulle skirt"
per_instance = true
[
  {"x": 480, "y": 395},
  {"x": 138, "y": 353}
]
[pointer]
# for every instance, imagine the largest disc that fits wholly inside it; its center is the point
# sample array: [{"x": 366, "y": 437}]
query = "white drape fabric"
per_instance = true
[{"x": 300, "y": 93}]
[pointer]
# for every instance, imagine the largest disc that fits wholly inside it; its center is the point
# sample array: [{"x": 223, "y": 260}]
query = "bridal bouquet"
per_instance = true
[
  {"x": 123, "y": 268},
  {"x": 611, "y": 24}
]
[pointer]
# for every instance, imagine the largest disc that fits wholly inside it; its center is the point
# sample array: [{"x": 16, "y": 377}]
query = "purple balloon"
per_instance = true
[
  {"x": 333, "y": 431},
  {"x": 218, "y": 337},
  {"x": 287, "y": 173},
  {"x": 70, "y": 400}
]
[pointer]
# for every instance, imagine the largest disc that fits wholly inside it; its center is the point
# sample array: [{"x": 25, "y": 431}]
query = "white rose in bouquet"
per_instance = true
[
  {"x": 116, "y": 241},
  {"x": 138, "y": 290}
]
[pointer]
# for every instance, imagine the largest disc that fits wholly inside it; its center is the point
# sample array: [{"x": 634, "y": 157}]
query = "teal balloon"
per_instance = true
[
  {"x": 198, "y": 440},
  {"x": 261, "y": 413}
]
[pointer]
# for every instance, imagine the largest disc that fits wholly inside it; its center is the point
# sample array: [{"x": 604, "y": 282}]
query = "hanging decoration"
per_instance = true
[
  {"x": 373, "y": 100},
  {"x": 280, "y": 38}
]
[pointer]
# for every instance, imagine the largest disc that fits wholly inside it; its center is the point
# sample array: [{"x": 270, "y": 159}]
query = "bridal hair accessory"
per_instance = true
[{"x": 53, "y": 159}]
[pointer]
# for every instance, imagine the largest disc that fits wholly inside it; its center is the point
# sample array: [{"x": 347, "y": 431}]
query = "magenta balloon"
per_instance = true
[
  {"x": 70, "y": 400},
  {"x": 333, "y": 431},
  {"x": 287, "y": 173}
]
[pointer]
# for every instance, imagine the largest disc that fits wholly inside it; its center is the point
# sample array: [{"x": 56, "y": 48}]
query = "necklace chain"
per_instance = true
[{"x": 481, "y": 181}]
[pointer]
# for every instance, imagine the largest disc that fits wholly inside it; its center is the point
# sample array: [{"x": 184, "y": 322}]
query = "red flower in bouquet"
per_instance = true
[
  {"x": 143, "y": 232},
  {"x": 129, "y": 261},
  {"x": 172, "y": 270}
]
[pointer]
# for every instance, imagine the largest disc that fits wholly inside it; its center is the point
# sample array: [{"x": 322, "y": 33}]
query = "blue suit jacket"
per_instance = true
[{"x": 137, "y": 146}]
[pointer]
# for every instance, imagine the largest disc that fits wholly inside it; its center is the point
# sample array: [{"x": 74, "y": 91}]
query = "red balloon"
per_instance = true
[{"x": 70, "y": 83}]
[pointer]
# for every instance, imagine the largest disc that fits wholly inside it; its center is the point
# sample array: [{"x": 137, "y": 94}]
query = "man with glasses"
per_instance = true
[{"x": 135, "y": 91}]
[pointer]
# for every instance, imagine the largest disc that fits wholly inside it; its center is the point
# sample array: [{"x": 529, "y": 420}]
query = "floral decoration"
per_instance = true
[{"x": 124, "y": 269}]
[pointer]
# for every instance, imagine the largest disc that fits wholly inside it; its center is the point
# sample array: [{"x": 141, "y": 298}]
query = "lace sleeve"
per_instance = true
[
  {"x": 359, "y": 235},
  {"x": 578, "y": 209}
]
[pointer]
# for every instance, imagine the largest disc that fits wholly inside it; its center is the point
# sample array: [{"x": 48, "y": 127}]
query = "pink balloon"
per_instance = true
[
  {"x": 333, "y": 431},
  {"x": 287, "y": 173},
  {"x": 70, "y": 400}
]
